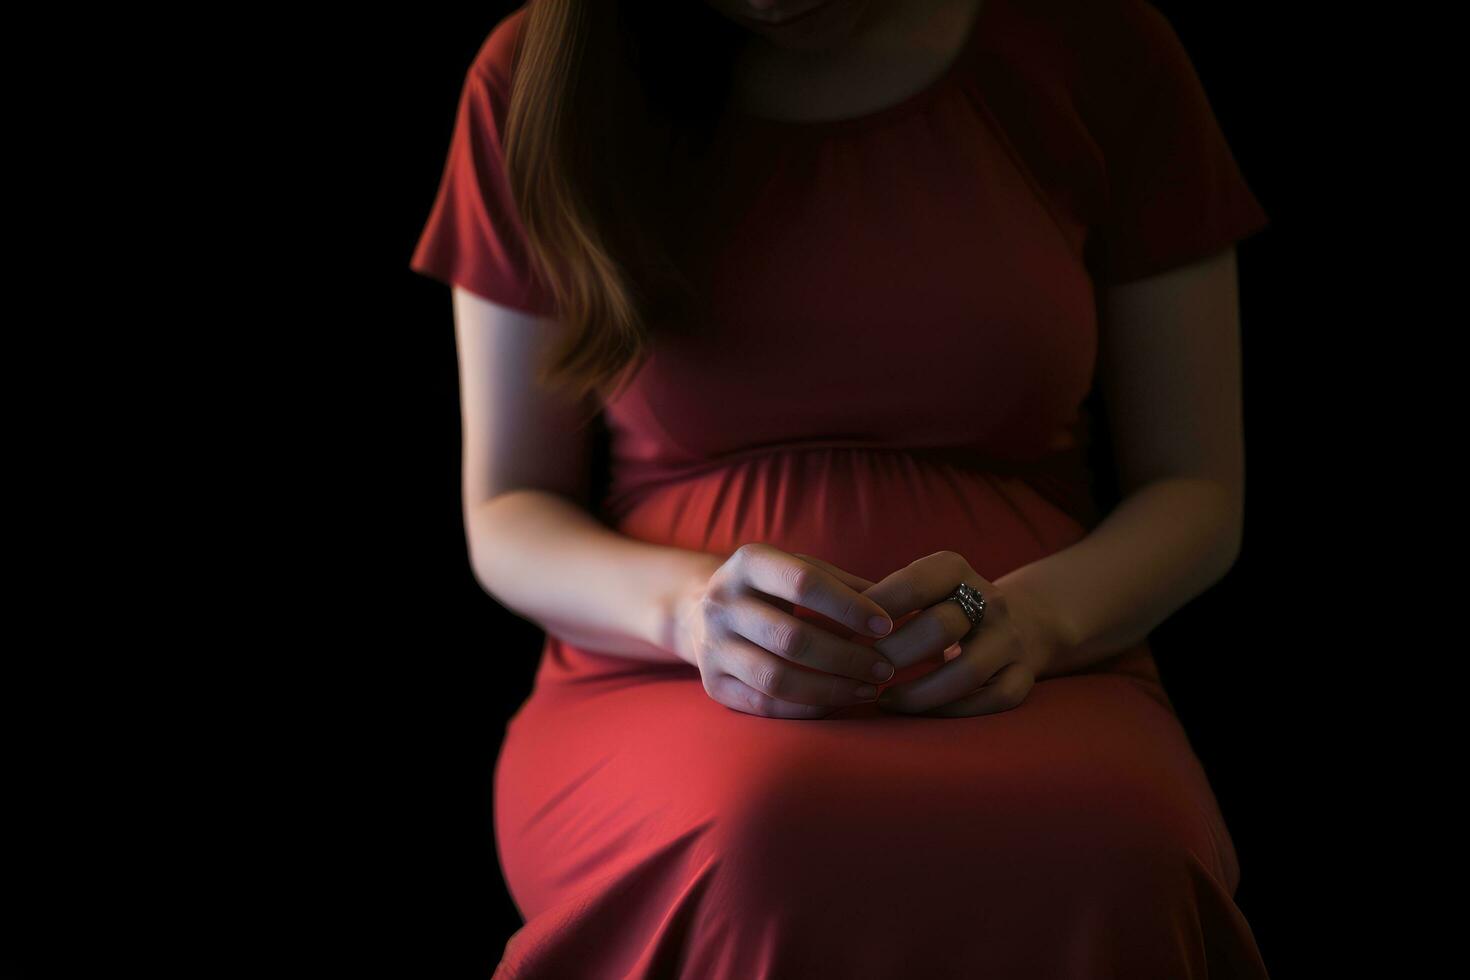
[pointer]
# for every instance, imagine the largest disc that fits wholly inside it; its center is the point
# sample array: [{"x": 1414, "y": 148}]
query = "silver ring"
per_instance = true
[{"x": 972, "y": 602}]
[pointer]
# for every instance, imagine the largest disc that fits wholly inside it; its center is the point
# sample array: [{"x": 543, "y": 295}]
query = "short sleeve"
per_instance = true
[
  {"x": 473, "y": 236},
  {"x": 1175, "y": 192}
]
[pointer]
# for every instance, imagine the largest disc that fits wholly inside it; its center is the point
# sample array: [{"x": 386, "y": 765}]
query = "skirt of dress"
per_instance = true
[{"x": 648, "y": 831}]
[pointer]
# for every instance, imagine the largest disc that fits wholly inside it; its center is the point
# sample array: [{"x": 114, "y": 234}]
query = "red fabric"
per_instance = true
[
  {"x": 900, "y": 333},
  {"x": 473, "y": 236}
]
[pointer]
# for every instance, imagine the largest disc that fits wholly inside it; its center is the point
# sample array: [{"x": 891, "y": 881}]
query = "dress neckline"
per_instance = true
[{"x": 947, "y": 80}]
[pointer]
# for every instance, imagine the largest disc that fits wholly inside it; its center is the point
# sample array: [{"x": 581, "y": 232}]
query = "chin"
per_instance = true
[{"x": 830, "y": 24}]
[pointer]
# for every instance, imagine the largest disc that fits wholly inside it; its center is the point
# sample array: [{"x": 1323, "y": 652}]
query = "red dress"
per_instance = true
[{"x": 902, "y": 329}]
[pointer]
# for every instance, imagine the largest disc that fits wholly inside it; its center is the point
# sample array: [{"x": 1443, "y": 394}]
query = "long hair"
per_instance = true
[{"x": 611, "y": 104}]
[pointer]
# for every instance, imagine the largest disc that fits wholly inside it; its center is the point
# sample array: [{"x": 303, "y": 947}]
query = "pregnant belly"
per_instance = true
[{"x": 869, "y": 511}]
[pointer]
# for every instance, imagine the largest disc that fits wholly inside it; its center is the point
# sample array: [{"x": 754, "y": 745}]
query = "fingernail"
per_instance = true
[
  {"x": 882, "y": 671},
  {"x": 880, "y": 625},
  {"x": 865, "y": 693}
]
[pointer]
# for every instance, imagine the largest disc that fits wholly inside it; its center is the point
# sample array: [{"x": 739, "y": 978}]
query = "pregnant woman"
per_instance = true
[{"x": 856, "y": 267}]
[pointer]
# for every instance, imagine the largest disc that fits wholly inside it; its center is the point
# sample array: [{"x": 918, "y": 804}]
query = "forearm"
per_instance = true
[
  {"x": 1165, "y": 543},
  {"x": 549, "y": 560}
]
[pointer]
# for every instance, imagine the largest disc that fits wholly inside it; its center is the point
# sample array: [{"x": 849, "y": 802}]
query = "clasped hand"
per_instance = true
[
  {"x": 748, "y": 643},
  {"x": 988, "y": 668}
]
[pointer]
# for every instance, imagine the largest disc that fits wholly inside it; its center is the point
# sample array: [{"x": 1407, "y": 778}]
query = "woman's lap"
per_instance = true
[{"x": 641, "y": 822}]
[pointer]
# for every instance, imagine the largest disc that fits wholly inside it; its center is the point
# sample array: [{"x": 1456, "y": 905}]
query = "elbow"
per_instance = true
[
  {"x": 475, "y": 548},
  {"x": 478, "y": 573},
  {"x": 1232, "y": 541},
  {"x": 480, "y": 536},
  {"x": 1226, "y": 521},
  {"x": 1232, "y": 558},
  {"x": 488, "y": 548}
]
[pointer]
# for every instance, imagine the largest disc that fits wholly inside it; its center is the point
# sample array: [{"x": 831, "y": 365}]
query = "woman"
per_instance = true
[{"x": 918, "y": 236}]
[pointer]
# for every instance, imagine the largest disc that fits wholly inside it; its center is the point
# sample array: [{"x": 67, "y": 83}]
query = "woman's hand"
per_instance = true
[
  {"x": 756, "y": 656},
  {"x": 991, "y": 670}
]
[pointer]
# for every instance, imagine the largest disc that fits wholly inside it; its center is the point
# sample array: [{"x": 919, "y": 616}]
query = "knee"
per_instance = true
[
  {"x": 1150, "y": 835},
  {"x": 823, "y": 831}
]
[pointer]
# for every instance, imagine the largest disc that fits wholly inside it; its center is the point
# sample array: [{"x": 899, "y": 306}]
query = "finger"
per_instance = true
[
  {"x": 924, "y": 582},
  {"x": 977, "y": 664},
  {"x": 778, "y": 573},
  {"x": 784, "y": 681},
  {"x": 734, "y": 693},
  {"x": 925, "y": 634},
  {"x": 806, "y": 643},
  {"x": 848, "y": 578},
  {"x": 1006, "y": 690}
]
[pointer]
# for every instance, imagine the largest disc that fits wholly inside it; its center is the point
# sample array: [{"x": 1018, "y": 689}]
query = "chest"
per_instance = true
[{"x": 867, "y": 291}]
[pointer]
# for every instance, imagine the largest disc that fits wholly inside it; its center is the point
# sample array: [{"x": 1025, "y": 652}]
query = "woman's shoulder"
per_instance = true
[
  {"x": 1106, "y": 54},
  {"x": 495, "y": 57},
  {"x": 1119, "y": 28}
]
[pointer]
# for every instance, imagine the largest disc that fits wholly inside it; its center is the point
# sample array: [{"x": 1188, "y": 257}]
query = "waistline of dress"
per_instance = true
[{"x": 1062, "y": 475}]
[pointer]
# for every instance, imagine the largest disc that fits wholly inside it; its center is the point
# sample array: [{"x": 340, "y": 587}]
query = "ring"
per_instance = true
[{"x": 972, "y": 602}]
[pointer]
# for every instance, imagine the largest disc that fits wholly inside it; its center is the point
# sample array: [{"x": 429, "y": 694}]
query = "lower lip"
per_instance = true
[{"x": 798, "y": 19}]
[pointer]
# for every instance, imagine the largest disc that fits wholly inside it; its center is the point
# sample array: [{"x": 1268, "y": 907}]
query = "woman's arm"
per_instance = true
[
  {"x": 1163, "y": 544},
  {"x": 550, "y": 561},
  {"x": 534, "y": 544},
  {"x": 1170, "y": 374}
]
